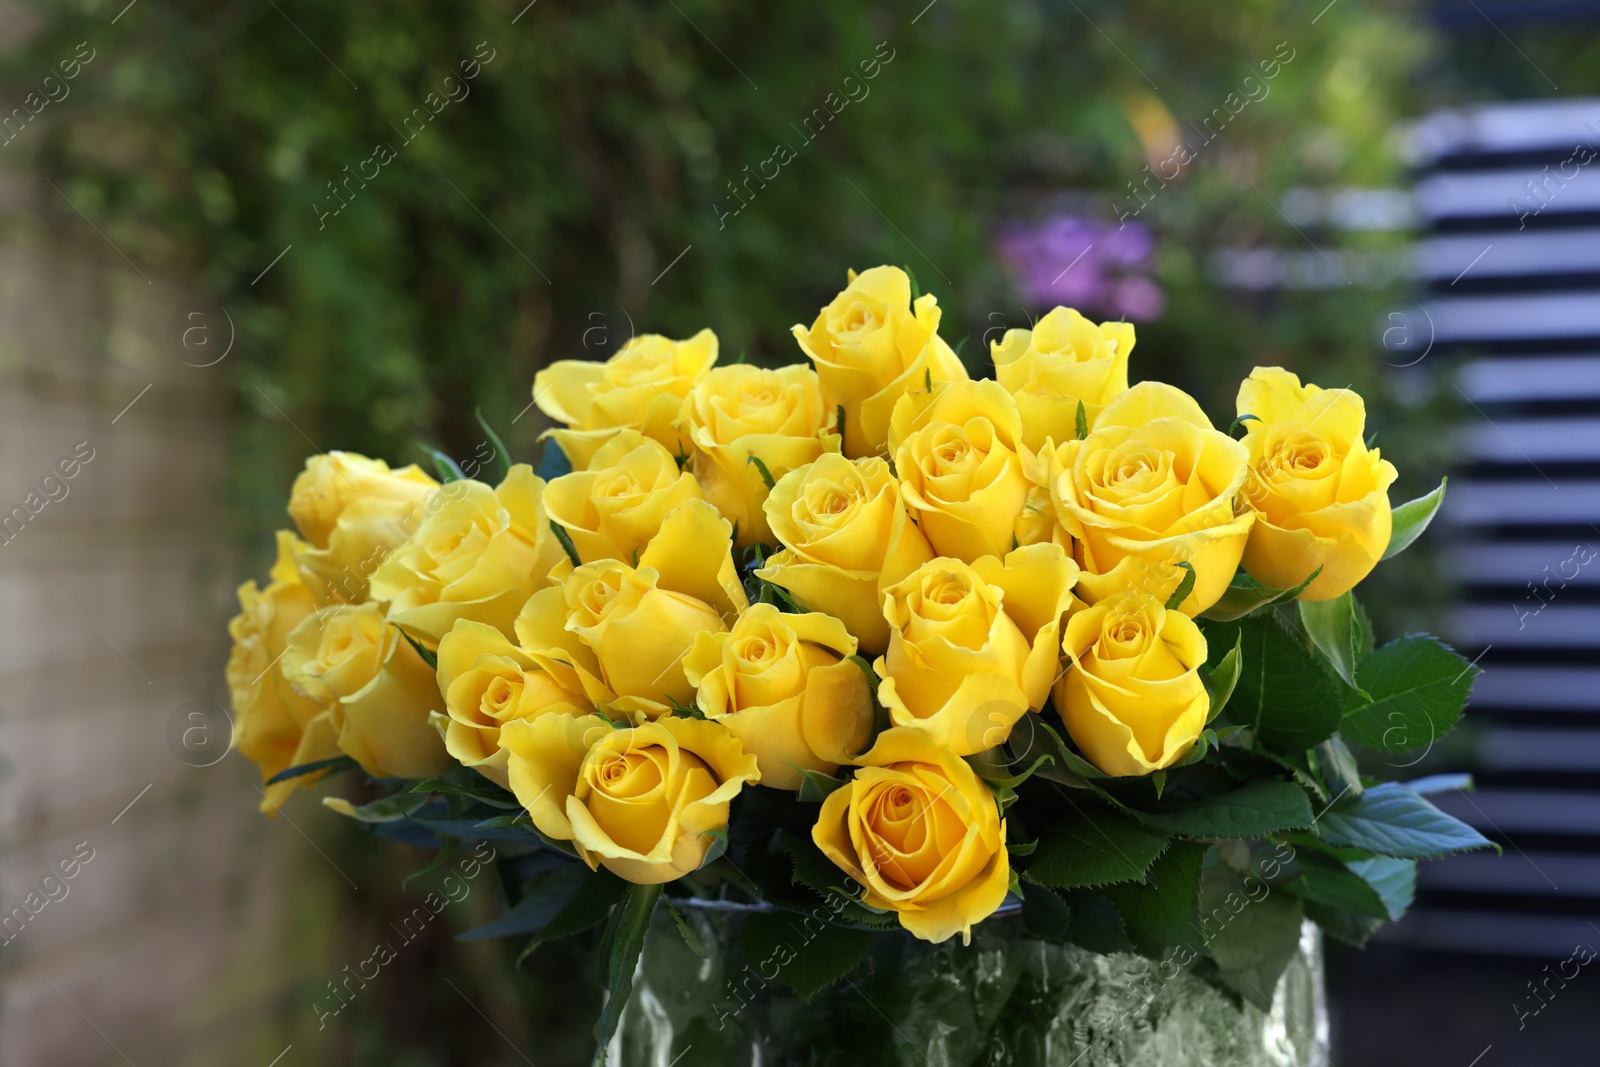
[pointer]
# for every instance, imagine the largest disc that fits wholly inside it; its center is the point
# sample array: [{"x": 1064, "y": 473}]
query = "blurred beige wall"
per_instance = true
[{"x": 113, "y": 601}]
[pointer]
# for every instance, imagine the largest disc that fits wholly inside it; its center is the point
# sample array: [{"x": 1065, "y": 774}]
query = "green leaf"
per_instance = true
[
  {"x": 1284, "y": 692},
  {"x": 1096, "y": 923},
  {"x": 1046, "y": 915},
  {"x": 1418, "y": 687},
  {"x": 542, "y": 902},
  {"x": 1165, "y": 912},
  {"x": 1364, "y": 639},
  {"x": 1335, "y": 767},
  {"x": 483, "y": 796},
  {"x": 1343, "y": 926},
  {"x": 807, "y": 954},
  {"x": 1394, "y": 879},
  {"x": 1185, "y": 587},
  {"x": 995, "y": 773},
  {"x": 445, "y": 850},
  {"x": 1391, "y": 820},
  {"x": 1233, "y": 427},
  {"x": 449, "y": 470},
  {"x": 1331, "y": 625},
  {"x": 588, "y": 906},
  {"x": 1410, "y": 519},
  {"x": 1251, "y": 938},
  {"x": 1083, "y": 425},
  {"x": 566, "y": 542},
  {"x": 428, "y": 657},
  {"x": 766, "y": 475},
  {"x": 1093, "y": 848},
  {"x": 816, "y": 872},
  {"x": 1245, "y": 595},
  {"x": 321, "y": 766},
  {"x": 1257, "y": 809},
  {"x": 815, "y": 786},
  {"x": 619, "y": 956},
  {"x": 392, "y": 808},
  {"x": 840, "y": 412},
  {"x": 916, "y": 290},
  {"x": 1069, "y": 768},
  {"x": 880, "y": 714},
  {"x": 1326, "y": 881},
  {"x": 502, "y": 454},
  {"x": 1440, "y": 783},
  {"x": 691, "y": 937},
  {"x": 1221, "y": 680}
]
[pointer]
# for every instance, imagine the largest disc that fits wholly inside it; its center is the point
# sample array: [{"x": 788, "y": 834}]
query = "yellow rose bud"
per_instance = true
[
  {"x": 1321, "y": 497},
  {"x": 742, "y": 412},
  {"x": 974, "y": 646},
  {"x": 273, "y": 725},
  {"x": 919, "y": 830},
  {"x": 1154, "y": 480},
  {"x": 641, "y": 621},
  {"x": 641, "y": 388},
  {"x": 1132, "y": 697},
  {"x": 645, "y": 803},
  {"x": 959, "y": 455},
  {"x": 353, "y": 512},
  {"x": 348, "y": 657},
  {"x": 846, "y": 538},
  {"x": 870, "y": 345},
  {"x": 1064, "y": 360},
  {"x": 613, "y": 509},
  {"x": 487, "y": 681},
  {"x": 479, "y": 554},
  {"x": 780, "y": 684}
]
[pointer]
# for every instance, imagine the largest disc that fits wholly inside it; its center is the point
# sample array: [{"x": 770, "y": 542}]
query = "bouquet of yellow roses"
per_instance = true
[{"x": 866, "y": 638}]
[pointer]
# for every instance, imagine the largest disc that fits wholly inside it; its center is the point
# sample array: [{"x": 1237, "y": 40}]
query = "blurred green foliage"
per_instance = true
[{"x": 579, "y": 188}]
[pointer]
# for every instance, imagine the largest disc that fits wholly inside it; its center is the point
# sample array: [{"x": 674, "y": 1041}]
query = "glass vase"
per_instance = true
[{"x": 1008, "y": 999}]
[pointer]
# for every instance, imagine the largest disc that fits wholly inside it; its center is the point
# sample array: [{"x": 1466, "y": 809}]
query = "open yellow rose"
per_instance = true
[
  {"x": 1321, "y": 497},
  {"x": 1154, "y": 480},
  {"x": 641, "y": 388},
  {"x": 612, "y": 509},
  {"x": 641, "y": 621},
  {"x": 487, "y": 681},
  {"x": 354, "y": 512},
  {"x": 273, "y": 725},
  {"x": 741, "y": 412},
  {"x": 645, "y": 803},
  {"x": 1064, "y": 360},
  {"x": 959, "y": 454},
  {"x": 922, "y": 833},
  {"x": 1132, "y": 697},
  {"x": 781, "y": 684},
  {"x": 846, "y": 538},
  {"x": 869, "y": 345},
  {"x": 347, "y": 656},
  {"x": 974, "y": 646},
  {"x": 479, "y": 554}
]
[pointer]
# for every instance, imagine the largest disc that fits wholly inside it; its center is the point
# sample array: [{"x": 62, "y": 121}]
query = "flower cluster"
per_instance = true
[{"x": 857, "y": 578}]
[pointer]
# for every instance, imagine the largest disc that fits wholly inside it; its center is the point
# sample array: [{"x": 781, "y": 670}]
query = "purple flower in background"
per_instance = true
[{"x": 1085, "y": 265}]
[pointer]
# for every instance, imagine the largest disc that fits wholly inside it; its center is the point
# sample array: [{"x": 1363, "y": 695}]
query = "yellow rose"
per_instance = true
[
  {"x": 479, "y": 554},
  {"x": 739, "y": 412},
  {"x": 919, "y": 830},
  {"x": 1321, "y": 497},
  {"x": 958, "y": 452},
  {"x": 273, "y": 725},
  {"x": 354, "y": 512},
  {"x": 1132, "y": 697},
  {"x": 487, "y": 681},
  {"x": 348, "y": 657},
  {"x": 974, "y": 646},
  {"x": 780, "y": 684},
  {"x": 640, "y": 621},
  {"x": 641, "y": 388},
  {"x": 1064, "y": 360},
  {"x": 645, "y": 803},
  {"x": 1154, "y": 480},
  {"x": 846, "y": 538},
  {"x": 613, "y": 509},
  {"x": 869, "y": 346}
]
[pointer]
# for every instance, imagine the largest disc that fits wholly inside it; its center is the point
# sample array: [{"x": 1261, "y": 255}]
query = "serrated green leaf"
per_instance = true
[
  {"x": 1326, "y": 881},
  {"x": 1343, "y": 926},
  {"x": 541, "y": 902},
  {"x": 1284, "y": 694},
  {"x": 1418, "y": 687},
  {"x": 1411, "y": 518},
  {"x": 1046, "y": 915},
  {"x": 806, "y": 954},
  {"x": 1164, "y": 912},
  {"x": 814, "y": 785},
  {"x": 1440, "y": 783},
  {"x": 391, "y": 808},
  {"x": 1255, "y": 810},
  {"x": 445, "y": 850},
  {"x": 1089, "y": 848},
  {"x": 619, "y": 956},
  {"x": 1221, "y": 681},
  {"x": 1394, "y": 879},
  {"x": 691, "y": 937},
  {"x": 1251, "y": 938},
  {"x": 499, "y": 799},
  {"x": 320, "y": 767},
  {"x": 1331, "y": 625},
  {"x": 587, "y": 907},
  {"x": 1096, "y": 923},
  {"x": 1245, "y": 595},
  {"x": 1391, "y": 820},
  {"x": 1336, "y": 768}
]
